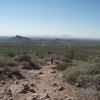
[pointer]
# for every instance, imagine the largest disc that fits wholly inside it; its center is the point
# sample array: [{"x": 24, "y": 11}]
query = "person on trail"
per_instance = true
[{"x": 51, "y": 57}]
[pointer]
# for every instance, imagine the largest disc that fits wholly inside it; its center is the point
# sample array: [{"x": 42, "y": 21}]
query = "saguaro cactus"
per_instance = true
[{"x": 72, "y": 54}]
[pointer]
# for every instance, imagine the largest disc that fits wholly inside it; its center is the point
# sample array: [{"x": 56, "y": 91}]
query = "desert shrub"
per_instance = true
[
  {"x": 6, "y": 69},
  {"x": 24, "y": 52},
  {"x": 66, "y": 60},
  {"x": 40, "y": 61},
  {"x": 12, "y": 63},
  {"x": 25, "y": 64},
  {"x": 62, "y": 66},
  {"x": 13, "y": 70},
  {"x": 6, "y": 61},
  {"x": 85, "y": 75},
  {"x": 93, "y": 70},
  {"x": 10, "y": 54},
  {"x": 85, "y": 80},
  {"x": 34, "y": 65},
  {"x": 97, "y": 81},
  {"x": 71, "y": 74},
  {"x": 87, "y": 94},
  {"x": 30, "y": 65},
  {"x": 24, "y": 58},
  {"x": 3, "y": 62},
  {"x": 98, "y": 95}
]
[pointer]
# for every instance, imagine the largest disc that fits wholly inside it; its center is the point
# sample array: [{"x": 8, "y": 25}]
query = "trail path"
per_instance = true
[{"x": 47, "y": 84}]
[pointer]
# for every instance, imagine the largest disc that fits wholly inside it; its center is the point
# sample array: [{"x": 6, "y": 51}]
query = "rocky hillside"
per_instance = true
[{"x": 42, "y": 84}]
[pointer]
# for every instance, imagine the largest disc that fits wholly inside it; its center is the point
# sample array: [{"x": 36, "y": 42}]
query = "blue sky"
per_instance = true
[{"x": 76, "y": 18}]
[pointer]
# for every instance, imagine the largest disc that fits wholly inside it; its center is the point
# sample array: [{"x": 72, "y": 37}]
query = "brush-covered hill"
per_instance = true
[{"x": 18, "y": 39}]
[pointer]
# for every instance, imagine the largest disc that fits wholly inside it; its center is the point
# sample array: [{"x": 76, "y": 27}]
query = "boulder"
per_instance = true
[{"x": 15, "y": 89}]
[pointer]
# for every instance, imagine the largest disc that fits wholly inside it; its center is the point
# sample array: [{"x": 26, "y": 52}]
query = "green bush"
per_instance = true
[
  {"x": 24, "y": 58},
  {"x": 29, "y": 65},
  {"x": 85, "y": 75},
  {"x": 71, "y": 74},
  {"x": 34, "y": 65},
  {"x": 16, "y": 71},
  {"x": 97, "y": 81},
  {"x": 25, "y": 64},
  {"x": 87, "y": 94},
  {"x": 93, "y": 70},
  {"x": 12, "y": 63},
  {"x": 10, "y": 54},
  {"x": 66, "y": 60},
  {"x": 13, "y": 70},
  {"x": 3, "y": 62},
  {"x": 40, "y": 61},
  {"x": 62, "y": 66},
  {"x": 85, "y": 80}
]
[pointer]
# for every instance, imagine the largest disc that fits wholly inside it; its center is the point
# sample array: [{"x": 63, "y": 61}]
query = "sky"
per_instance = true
[{"x": 75, "y": 18}]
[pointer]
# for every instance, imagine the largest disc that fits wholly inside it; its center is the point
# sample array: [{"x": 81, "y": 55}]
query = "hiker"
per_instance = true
[{"x": 51, "y": 57}]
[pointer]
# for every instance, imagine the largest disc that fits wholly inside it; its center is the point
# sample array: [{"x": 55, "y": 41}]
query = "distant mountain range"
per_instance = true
[{"x": 18, "y": 38}]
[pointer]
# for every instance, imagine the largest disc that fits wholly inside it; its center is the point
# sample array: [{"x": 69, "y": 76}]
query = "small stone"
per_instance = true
[
  {"x": 1, "y": 98},
  {"x": 33, "y": 84},
  {"x": 53, "y": 71},
  {"x": 40, "y": 73},
  {"x": 26, "y": 87},
  {"x": 66, "y": 96},
  {"x": 55, "y": 84},
  {"x": 17, "y": 82},
  {"x": 34, "y": 96},
  {"x": 47, "y": 96},
  {"x": 69, "y": 98},
  {"x": 61, "y": 88},
  {"x": 8, "y": 92},
  {"x": 44, "y": 96},
  {"x": 31, "y": 98},
  {"x": 78, "y": 85},
  {"x": 47, "y": 99},
  {"x": 3, "y": 82},
  {"x": 32, "y": 90},
  {"x": 10, "y": 98},
  {"x": 44, "y": 90},
  {"x": 54, "y": 90}
]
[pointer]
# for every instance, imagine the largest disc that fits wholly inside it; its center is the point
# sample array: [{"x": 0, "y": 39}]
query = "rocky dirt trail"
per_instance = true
[{"x": 43, "y": 84}]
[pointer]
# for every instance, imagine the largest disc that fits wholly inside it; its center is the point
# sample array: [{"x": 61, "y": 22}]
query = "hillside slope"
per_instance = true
[{"x": 43, "y": 84}]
